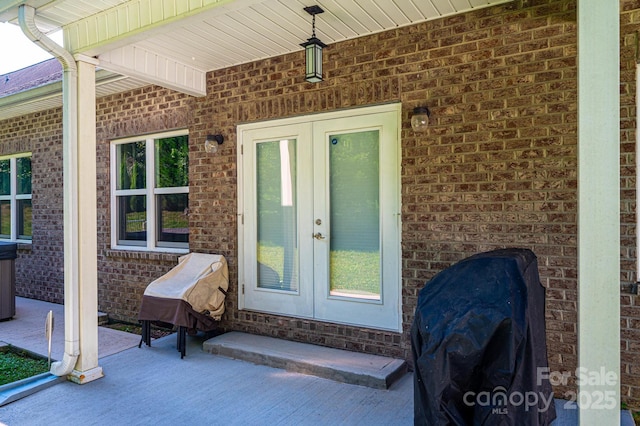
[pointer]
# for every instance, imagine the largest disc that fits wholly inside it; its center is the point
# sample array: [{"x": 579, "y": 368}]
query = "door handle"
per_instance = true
[{"x": 318, "y": 236}]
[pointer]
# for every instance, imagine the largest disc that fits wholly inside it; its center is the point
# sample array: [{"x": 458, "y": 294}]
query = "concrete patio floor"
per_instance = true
[{"x": 153, "y": 386}]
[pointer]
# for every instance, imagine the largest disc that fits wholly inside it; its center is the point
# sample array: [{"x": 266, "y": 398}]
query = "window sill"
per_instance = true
[
  {"x": 143, "y": 255},
  {"x": 24, "y": 247}
]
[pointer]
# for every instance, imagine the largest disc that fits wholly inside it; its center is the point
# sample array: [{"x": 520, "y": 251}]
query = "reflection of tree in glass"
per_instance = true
[
  {"x": 132, "y": 166},
  {"x": 5, "y": 177},
  {"x": 172, "y": 168},
  {"x": 132, "y": 169},
  {"x": 172, "y": 162},
  {"x": 23, "y": 175}
]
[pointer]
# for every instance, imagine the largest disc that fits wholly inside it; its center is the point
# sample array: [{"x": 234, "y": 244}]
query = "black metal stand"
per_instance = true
[
  {"x": 182, "y": 340},
  {"x": 146, "y": 337},
  {"x": 145, "y": 334}
]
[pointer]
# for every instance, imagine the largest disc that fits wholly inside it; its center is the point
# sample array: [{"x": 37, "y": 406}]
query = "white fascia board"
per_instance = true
[
  {"x": 38, "y": 96},
  {"x": 143, "y": 64}
]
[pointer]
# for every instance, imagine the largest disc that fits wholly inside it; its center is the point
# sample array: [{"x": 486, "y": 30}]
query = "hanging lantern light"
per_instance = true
[{"x": 313, "y": 50}]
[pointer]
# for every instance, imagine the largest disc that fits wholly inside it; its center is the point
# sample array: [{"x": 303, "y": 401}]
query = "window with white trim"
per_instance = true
[
  {"x": 15, "y": 198},
  {"x": 150, "y": 192}
]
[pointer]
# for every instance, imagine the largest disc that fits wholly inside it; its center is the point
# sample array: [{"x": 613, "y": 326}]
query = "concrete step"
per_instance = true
[{"x": 342, "y": 366}]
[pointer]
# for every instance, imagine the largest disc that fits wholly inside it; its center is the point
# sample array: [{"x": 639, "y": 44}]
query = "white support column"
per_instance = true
[
  {"x": 598, "y": 213},
  {"x": 85, "y": 218}
]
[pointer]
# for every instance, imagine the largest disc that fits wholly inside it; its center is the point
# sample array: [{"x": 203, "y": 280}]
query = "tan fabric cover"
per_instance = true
[{"x": 196, "y": 280}]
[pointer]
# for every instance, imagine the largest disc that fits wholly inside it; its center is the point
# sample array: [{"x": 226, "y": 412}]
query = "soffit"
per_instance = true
[{"x": 142, "y": 38}]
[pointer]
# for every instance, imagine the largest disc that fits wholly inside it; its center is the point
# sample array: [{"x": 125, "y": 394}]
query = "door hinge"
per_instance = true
[
  {"x": 242, "y": 149},
  {"x": 242, "y": 288}
]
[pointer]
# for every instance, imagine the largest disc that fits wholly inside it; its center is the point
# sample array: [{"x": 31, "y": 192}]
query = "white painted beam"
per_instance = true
[
  {"x": 598, "y": 213},
  {"x": 86, "y": 368},
  {"x": 137, "y": 62}
]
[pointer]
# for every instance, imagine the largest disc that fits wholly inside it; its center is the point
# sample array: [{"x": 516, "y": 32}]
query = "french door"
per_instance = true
[{"x": 319, "y": 205}]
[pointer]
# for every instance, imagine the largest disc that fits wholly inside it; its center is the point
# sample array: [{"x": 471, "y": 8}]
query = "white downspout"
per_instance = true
[{"x": 26, "y": 15}]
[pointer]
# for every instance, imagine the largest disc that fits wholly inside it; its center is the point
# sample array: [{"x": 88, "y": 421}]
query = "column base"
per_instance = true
[{"x": 82, "y": 377}]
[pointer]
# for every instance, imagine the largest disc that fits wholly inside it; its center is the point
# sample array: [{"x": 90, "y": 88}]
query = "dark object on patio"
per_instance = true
[
  {"x": 190, "y": 296},
  {"x": 8, "y": 254},
  {"x": 478, "y": 343}
]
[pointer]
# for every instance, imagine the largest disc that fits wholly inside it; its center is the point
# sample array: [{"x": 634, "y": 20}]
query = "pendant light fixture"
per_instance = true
[{"x": 313, "y": 49}]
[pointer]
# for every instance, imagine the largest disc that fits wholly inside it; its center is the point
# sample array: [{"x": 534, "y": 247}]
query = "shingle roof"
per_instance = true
[{"x": 30, "y": 77}]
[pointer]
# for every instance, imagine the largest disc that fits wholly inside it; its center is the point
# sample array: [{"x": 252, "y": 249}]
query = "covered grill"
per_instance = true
[
  {"x": 478, "y": 343},
  {"x": 189, "y": 296}
]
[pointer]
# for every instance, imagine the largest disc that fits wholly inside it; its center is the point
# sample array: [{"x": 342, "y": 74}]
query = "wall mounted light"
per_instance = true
[
  {"x": 313, "y": 50},
  {"x": 420, "y": 119},
  {"x": 212, "y": 142}
]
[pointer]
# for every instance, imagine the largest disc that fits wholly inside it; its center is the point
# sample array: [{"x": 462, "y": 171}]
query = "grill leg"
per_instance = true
[
  {"x": 146, "y": 333},
  {"x": 182, "y": 340}
]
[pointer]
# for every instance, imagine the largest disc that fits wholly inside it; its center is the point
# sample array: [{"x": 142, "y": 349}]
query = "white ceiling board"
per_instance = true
[
  {"x": 394, "y": 12},
  {"x": 201, "y": 50},
  {"x": 271, "y": 32},
  {"x": 207, "y": 35},
  {"x": 363, "y": 21},
  {"x": 460, "y": 5},
  {"x": 427, "y": 8},
  {"x": 443, "y": 7},
  {"x": 336, "y": 12},
  {"x": 410, "y": 10},
  {"x": 377, "y": 14}
]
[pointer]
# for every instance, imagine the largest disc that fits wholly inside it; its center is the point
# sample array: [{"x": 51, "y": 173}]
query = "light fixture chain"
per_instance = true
[{"x": 313, "y": 34}]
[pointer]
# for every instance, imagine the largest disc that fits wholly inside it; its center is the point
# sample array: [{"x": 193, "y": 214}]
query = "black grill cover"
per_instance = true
[
  {"x": 478, "y": 340},
  {"x": 8, "y": 250}
]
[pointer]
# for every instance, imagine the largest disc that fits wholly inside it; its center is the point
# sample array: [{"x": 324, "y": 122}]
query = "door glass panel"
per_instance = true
[
  {"x": 277, "y": 245},
  {"x": 355, "y": 215}
]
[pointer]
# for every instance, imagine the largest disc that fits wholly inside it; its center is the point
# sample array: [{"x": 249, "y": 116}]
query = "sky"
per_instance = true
[{"x": 17, "y": 51}]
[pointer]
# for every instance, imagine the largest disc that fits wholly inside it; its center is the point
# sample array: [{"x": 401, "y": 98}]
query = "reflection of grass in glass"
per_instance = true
[
  {"x": 5, "y": 218},
  {"x": 5, "y": 221},
  {"x": 27, "y": 225},
  {"x": 353, "y": 272},
  {"x": 136, "y": 221},
  {"x": 272, "y": 256},
  {"x": 136, "y": 216},
  {"x": 175, "y": 219}
]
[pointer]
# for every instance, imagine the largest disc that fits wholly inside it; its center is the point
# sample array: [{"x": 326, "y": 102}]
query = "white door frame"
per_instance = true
[{"x": 272, "y": 130}]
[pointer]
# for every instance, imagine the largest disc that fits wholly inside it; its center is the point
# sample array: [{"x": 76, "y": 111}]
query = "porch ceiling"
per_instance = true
[{"x": 174, "y": 43}]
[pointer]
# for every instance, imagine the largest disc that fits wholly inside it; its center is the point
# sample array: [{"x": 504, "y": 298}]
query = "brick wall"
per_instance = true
[
  {"x": 497, "y": 168},
  {"x": 39, "y": 267},
  {"x": 124, "y": 275}
]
